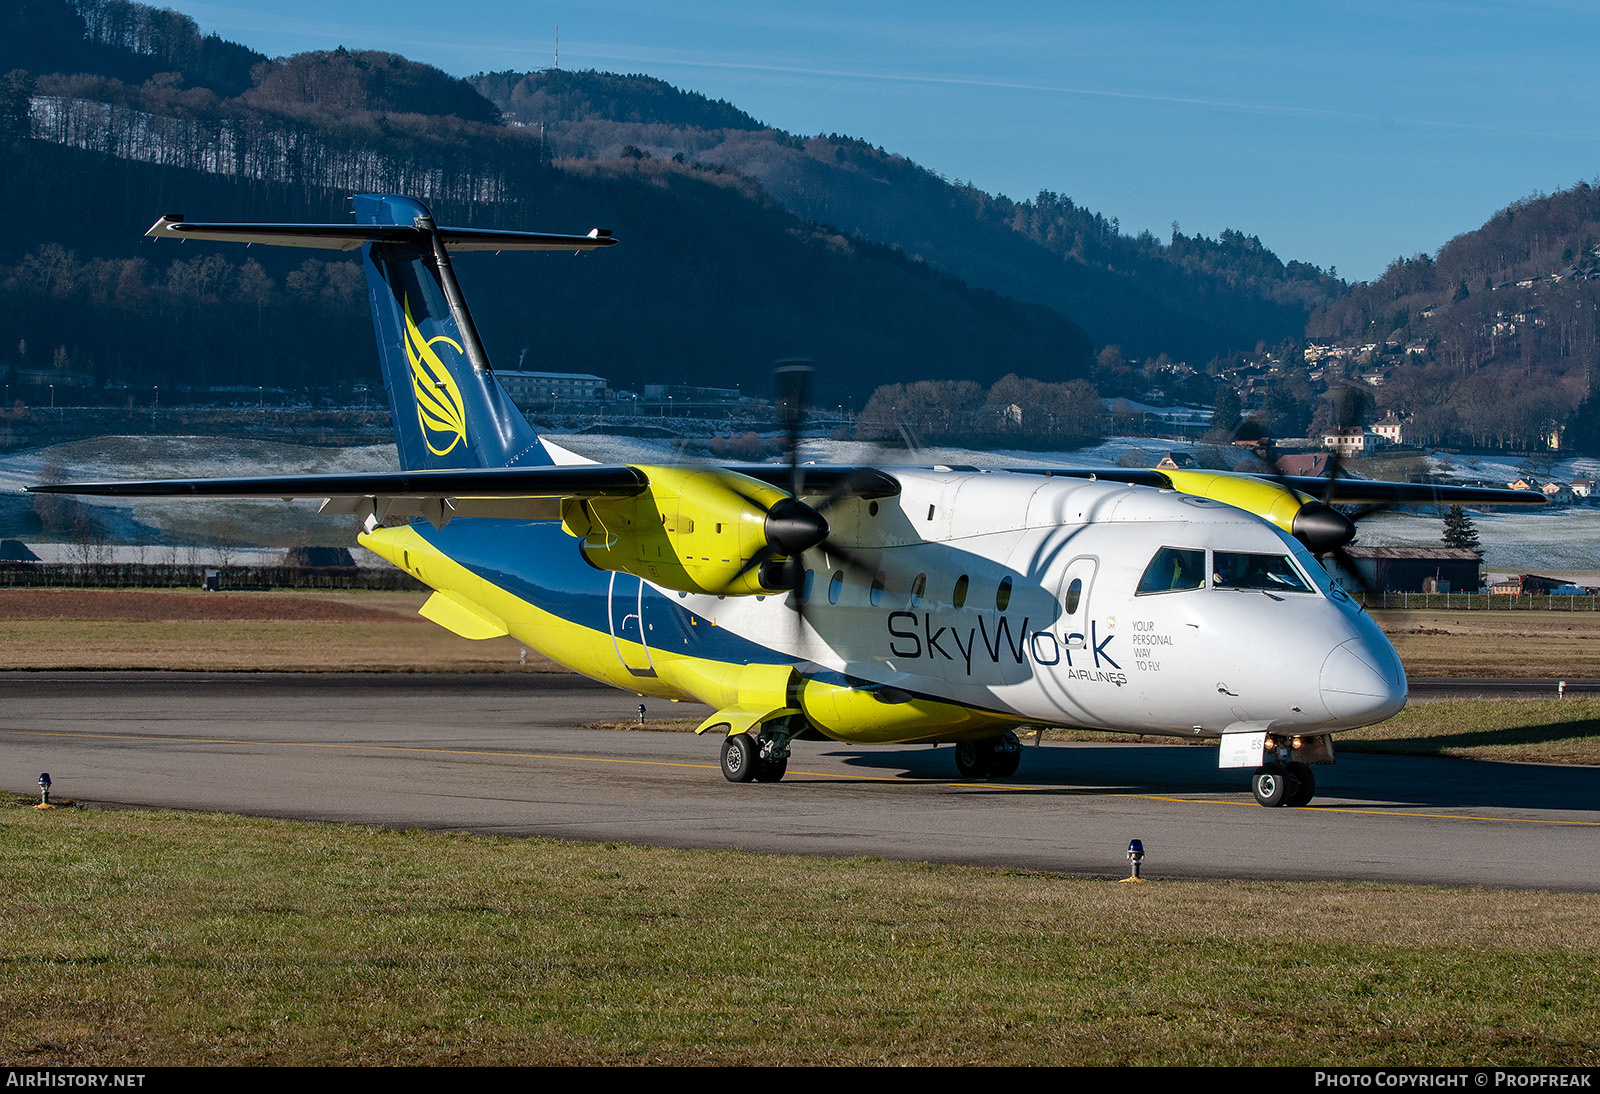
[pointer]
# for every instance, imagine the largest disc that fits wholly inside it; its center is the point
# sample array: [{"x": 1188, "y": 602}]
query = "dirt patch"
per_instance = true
[
  {"x": 678, "y": 725},
  {"x": 189, "y": 606}
]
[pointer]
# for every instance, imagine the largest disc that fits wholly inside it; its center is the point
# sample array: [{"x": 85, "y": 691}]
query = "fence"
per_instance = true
[
  {"x": 130, "y": 575},
  {"x": 1486, "y": 602}
]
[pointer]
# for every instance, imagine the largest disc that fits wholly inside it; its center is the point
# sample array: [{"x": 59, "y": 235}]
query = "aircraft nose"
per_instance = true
[{"x": 1362, "y": 684}]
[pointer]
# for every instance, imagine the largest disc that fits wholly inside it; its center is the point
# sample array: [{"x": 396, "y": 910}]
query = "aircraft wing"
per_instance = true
[
  {"x": 1348, "y": 491},
  {"x": 1345, "y": 490},
  {"x": 520, "y": 493},
  {"x": 526, "y": 493},
  {"x": 582, "y": 480}
]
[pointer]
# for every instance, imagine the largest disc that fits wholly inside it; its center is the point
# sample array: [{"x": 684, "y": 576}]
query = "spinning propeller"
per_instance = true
[
  {"x": 793, "y": 526},
  {"x": 1326, "y": 530}
]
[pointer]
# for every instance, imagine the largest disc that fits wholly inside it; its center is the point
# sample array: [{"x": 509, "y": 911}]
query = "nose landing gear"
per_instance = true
[{"x": 1289, "y": 783}]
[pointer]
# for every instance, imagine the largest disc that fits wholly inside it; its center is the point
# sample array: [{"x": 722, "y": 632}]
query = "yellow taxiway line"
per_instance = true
[{"x": 158, "y": 739}]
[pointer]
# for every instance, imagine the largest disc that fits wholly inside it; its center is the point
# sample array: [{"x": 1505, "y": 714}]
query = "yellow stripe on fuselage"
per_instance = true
[
  {"x": 841, "y": 712},
  {"x": 580, "y": 648}
]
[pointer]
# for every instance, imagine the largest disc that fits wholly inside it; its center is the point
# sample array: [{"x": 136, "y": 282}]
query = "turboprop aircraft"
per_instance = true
[{"x": 860, "y": 604}]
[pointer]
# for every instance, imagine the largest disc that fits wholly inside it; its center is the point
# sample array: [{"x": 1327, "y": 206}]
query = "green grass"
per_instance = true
[
  {"x": 142, "y": 938},
  {"x": 1565, "y": 731}
]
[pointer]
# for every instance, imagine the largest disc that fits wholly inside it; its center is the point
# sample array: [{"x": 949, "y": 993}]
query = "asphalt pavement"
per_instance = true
[{"x": 503, "y": 753}]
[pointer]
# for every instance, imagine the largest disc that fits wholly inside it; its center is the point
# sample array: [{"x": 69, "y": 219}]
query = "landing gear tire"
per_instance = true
[
  {"x": 771, "y": 771},
  {"x": 1006, "y": 754},
  {"x": 1303, "y": 784},
  {"x": 1270, "y": 784},
  {"x": 973, "y": 758},
  {"x": 740, "y": 761}
]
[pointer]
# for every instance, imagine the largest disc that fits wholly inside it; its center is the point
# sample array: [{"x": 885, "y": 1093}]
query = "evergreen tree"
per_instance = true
[
  {"x": 1459, "y": 530},
  {"x": 1228, "y": 409},
  {"x": 1583, "y": 428}
]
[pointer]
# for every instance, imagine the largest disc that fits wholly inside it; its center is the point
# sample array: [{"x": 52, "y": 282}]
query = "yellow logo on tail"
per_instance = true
[{"x": 439, "y": 408}]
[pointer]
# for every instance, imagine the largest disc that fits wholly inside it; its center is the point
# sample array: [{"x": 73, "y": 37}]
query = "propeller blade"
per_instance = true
[
  {"x": 1350, "y": 567},
  {"x": 864, "y": 481},
  {"x": 760, "y": 559},
  {"x": 853, "y": 562},
  {"x": 793, "y": 379}
]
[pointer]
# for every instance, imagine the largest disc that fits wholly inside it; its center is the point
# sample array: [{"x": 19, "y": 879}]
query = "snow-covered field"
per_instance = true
[
  {"x": 1560, "y": 541},
  {"x": 184, "y": 521}
]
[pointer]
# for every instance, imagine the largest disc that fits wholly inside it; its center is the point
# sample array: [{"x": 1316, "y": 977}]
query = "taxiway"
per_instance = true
[{"x": 503, "y": 754}]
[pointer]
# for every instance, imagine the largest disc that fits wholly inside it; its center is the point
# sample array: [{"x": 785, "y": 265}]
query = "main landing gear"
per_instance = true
[
  {"x": 749, "y": 758},
  {"x": 1289, "y": 783},
  {"x": 994, "y": 757}
]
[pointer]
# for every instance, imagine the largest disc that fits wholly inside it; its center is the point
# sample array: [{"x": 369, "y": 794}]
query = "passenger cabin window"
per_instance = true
[
  {"x": 918, "y": 587},
  {"x": 959, "y": 597},
  {"x": 1174, "y": 569},
  {"x": 1272, "y": 573},
  {"x": 835, "y": 585},
  {"x": 1074, "y": 596},
  {"x": 1002, "y": 595},
  {"x": 876, "y": 593}
]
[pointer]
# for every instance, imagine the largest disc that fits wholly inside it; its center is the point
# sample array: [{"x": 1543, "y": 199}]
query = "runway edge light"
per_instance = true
[{"x": 1135, "y": 860}]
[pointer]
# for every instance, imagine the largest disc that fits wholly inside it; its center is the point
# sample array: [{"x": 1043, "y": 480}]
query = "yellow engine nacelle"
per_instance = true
[
  {"x": 1266, "y": 499},
  {"x": 692, "y": 529},
  {"x": 1318, "y": 526}
]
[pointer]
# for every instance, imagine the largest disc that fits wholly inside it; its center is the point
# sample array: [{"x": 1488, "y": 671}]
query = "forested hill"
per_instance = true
[
  {"x": 129, "y": 42},
  {"x": 1549, "y": 240},
  {"x": 559, "y": 95},
  {"x": 1499, "y": 328},
  {"x": 1190, "y": 297},
  {"x": 713, "y": 280}
]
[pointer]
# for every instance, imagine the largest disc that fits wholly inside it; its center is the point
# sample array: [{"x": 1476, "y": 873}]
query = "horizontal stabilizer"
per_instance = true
[{"x": 347, "y": 237}]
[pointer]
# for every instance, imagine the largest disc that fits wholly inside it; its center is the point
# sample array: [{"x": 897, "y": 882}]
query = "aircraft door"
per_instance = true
[
  {"x": 629, "y": 636},
  {"x": 1077, "y": 581},
  {"x": 1073, "y": 594},
  {"x": 1076, "y": 633}
]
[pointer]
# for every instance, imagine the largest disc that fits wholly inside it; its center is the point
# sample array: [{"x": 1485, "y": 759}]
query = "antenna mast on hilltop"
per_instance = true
[{"x": 558, "y": 47}]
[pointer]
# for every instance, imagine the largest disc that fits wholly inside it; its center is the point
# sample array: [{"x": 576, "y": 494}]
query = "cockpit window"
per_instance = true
[
  {"x": 1274, "y": 573},
  {"x": 1173, "y": 570}
]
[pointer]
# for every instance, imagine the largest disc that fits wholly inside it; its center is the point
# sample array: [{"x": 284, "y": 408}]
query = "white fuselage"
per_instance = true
[{"x": 1018, "y": 594}]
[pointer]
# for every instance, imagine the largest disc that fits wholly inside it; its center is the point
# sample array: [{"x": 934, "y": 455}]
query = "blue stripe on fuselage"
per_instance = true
[{"x": 538, "y": 562}]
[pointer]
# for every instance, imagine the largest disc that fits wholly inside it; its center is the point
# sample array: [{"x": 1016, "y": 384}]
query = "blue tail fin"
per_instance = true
[{"x": 449, "y": 409}]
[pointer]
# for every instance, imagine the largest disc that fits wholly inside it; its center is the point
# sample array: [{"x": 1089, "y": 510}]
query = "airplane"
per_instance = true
[{"x": 860, "y": 604}]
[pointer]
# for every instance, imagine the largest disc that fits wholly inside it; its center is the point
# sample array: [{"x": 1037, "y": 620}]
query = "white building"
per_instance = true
[
  {"x": 531, "y": 389},
  {"x": 1391, "y": 429},
  {"x": 1351, "y": 440}
]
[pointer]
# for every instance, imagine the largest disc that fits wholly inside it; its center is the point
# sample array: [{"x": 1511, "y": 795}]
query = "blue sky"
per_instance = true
[{"x": 1342, "y": 134}]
